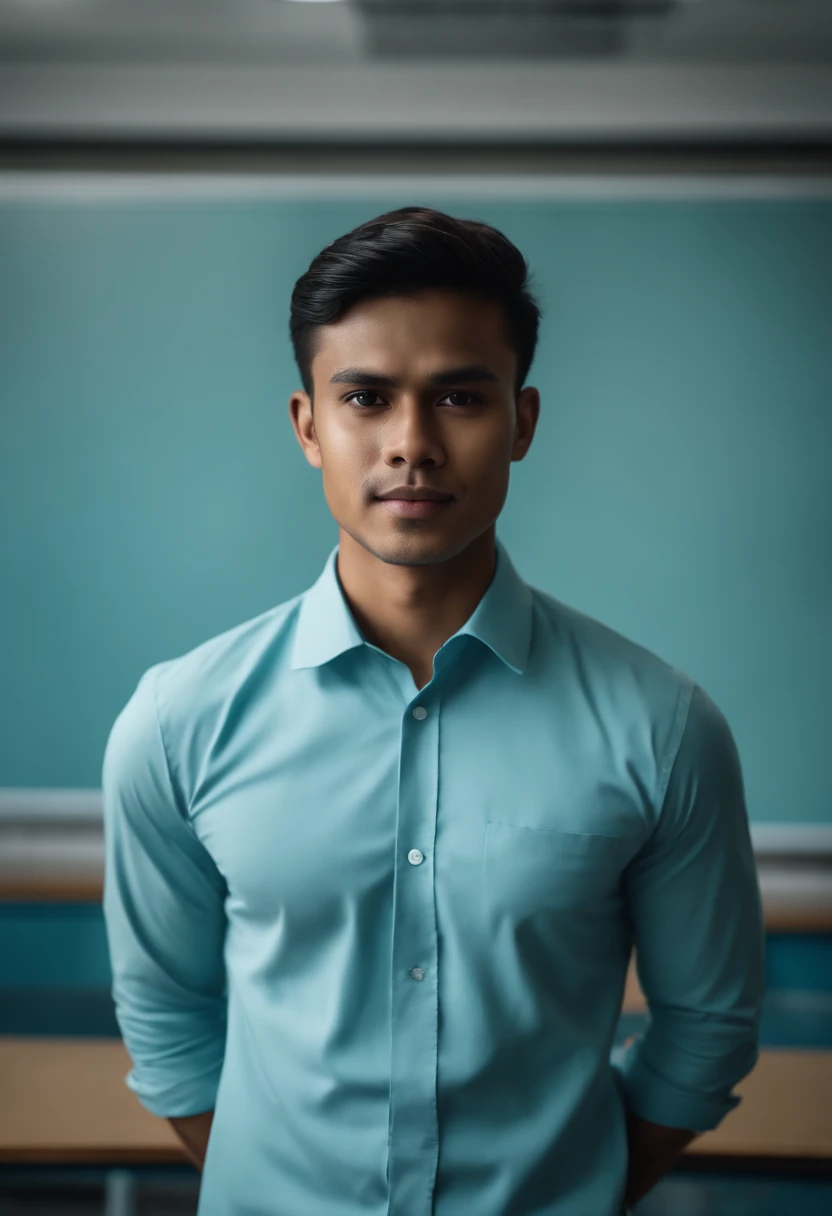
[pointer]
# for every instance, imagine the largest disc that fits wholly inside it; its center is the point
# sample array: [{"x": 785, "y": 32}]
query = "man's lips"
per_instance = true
[
  {"x": 415, "y": 508},
  {"x": 417, "y": 497}
]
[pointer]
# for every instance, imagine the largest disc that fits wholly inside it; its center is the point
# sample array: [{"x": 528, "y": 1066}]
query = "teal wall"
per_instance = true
[{"x": 152, "y": 492}]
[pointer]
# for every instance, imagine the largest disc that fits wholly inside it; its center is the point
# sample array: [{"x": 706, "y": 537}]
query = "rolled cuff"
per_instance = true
[
  {"x": 173, "y": 1099},
  {"x": 651, "y": 1096}
]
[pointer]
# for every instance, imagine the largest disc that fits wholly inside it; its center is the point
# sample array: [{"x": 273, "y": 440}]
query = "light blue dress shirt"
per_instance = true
[{"x": 384, "y": 932}]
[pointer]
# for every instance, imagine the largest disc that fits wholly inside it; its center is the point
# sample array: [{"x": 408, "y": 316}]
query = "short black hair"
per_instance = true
[{"x": 408, "y": 250}]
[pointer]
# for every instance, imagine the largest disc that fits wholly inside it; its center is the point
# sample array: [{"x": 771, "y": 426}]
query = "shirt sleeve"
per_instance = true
[
  {"x": 694, "y": 900},
  {"x": 164, "y": 914}
]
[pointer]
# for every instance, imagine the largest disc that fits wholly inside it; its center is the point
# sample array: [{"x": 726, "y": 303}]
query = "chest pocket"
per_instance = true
[{"x": 527, "y": 871}]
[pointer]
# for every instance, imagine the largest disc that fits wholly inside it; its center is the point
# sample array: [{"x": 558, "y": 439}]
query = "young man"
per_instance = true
[{"x": 376, "y": 859}]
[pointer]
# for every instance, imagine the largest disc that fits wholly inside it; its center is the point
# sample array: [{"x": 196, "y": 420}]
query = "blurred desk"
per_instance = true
[
  {"x": 64, "y": 1100},
  {"x": 786, "y": 1110}
]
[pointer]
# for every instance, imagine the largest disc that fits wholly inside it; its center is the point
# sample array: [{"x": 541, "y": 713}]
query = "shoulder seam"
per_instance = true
[
  {"x": 680, "y": 721},
  {"x": 184, "y": 817}
]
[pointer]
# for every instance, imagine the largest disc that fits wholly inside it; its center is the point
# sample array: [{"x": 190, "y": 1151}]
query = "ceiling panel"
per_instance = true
[
  {"x": 286, "y": 30},
  {"x": 416, "y": 70}
]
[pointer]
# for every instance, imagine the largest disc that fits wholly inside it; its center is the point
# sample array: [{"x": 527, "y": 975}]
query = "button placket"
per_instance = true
[
  {"x": 413, "y": 1131},
  {"x": 415, "y": 856}
]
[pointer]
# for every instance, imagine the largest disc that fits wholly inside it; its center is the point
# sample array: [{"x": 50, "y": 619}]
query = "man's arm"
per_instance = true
[
  {"x": 653, "y": 1150},
  {"x": 164, "y": 913},
  {"x": 193, "y": 1131},
  {"x": 694, "y": 900}
]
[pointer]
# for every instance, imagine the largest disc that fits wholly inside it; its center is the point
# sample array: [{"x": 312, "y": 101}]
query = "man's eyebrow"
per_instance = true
[{"x": 450, "y": 375}]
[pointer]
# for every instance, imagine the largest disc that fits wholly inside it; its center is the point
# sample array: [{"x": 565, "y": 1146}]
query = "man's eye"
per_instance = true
[
  {"x": 364, "y": 393},
  {"x": 371, "y": 393}
]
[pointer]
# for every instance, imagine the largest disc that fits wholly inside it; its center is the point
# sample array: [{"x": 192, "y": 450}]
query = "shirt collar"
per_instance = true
[{"x": 502, "y": 619}]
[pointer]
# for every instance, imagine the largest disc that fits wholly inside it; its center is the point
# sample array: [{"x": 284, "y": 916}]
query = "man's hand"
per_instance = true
[
  {"x": 193, "y": 1131},
  {"x": 653, "y": 1148}
]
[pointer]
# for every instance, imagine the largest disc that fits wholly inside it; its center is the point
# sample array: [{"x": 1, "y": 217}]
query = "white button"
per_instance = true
[
  {"x": 414, "y": 857},
  {"x": 420, "y": 712},
  {"x": 417, "y": 973}
]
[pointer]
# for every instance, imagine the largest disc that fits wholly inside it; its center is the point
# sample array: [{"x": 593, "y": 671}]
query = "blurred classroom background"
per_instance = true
[{"x": 167, "y": 170}]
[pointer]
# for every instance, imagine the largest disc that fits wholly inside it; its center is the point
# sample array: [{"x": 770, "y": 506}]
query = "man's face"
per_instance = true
[{"x": 459, "y": 436}]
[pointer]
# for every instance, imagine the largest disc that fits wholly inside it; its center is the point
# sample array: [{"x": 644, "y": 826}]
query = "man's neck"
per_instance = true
[{"x": 409, "y": 612}]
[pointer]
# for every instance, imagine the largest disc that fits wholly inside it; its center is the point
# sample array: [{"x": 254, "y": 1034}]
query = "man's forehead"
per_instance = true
[
  {"x": 463, "y": 309},
  {"x": 441, "y": 343},
  {"x": 465, "y": 373}
]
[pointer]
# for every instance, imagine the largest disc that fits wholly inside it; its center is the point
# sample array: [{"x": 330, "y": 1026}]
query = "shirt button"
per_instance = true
[
  {"x": 417, "y": 973},
  {"x": 414, "y": 857},
  {"x": 420, "y": 712}
]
